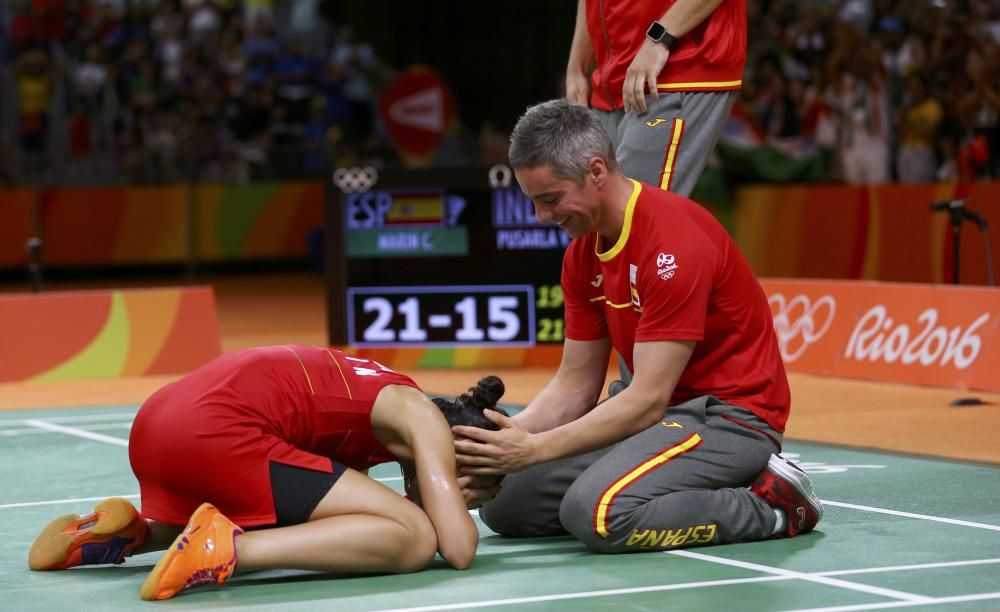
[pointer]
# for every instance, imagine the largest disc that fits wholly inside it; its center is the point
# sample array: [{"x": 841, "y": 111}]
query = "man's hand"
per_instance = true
[
  {"x": 482, "y": 452},
  {"x": 577, "y": 86},
  {"x": 477, "y": 490},
  {"x": 643, "y": 71}
]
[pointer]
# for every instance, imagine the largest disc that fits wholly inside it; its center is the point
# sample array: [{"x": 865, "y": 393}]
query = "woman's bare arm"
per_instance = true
[{"x": 428, "y": 443}]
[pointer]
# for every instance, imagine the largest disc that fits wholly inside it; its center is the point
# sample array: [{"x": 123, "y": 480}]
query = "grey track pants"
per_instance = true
[
  {"x": 669, "y": 144},
  {"x": 679, "y": 483}
]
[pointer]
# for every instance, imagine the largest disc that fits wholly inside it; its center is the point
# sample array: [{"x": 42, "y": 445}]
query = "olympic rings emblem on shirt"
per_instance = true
[
  {"x": 796, "y": 322},
  {"x": 355, "y": 180}
]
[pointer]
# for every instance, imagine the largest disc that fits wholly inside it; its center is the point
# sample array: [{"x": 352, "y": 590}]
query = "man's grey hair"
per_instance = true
[{"x": 562, "y": 135}]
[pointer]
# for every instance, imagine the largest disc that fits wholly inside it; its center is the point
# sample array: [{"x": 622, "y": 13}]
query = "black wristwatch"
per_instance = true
[{"x": 658, "y": 33}]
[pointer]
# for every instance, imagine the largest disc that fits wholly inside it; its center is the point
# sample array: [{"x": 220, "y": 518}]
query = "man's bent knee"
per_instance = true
[
  {"x": 585, "y": 518},
  {"x": 578, "y": 515},
  {"x": 522, "y": 510},
  {"x": 508, "y": 518}
]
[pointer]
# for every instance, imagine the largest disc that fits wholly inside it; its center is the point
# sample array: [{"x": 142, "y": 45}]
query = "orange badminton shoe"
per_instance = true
[
  {"x": 203, "y": 553},
  {"x": 107, "y": 535}
]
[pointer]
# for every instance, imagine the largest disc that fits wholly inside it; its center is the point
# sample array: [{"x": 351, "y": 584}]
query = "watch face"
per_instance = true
[{"x": 656, "y": 31}]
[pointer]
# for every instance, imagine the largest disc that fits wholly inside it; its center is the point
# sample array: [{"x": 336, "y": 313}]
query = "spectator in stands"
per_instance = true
[
  {"x": 34, "y": 90},
  {"x": 860, "y": 99},
  {"x": 258, "y": 12},
  {"x": 922, "y": 116},
  {"x": 80, "y": 141},
  {"x": 982, "y": 104},
  {"x": 136, "y": 60},
  {"x": 352, "y": 63}
]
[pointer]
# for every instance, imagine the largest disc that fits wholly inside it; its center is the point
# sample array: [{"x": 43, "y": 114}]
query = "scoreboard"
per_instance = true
[{"x": 440, "y": 258}]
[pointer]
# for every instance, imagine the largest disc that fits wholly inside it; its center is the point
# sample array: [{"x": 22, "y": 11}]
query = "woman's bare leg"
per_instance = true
[{"x": 359, "y": 526}]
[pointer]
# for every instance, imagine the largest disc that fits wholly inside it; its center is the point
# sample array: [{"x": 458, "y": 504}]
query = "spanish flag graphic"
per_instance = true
[{"x": 416, "y": 208}]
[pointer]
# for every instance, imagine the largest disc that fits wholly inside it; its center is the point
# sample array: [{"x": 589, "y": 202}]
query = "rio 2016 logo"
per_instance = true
[
  {"x": 874, "y": 338},
  {"x": 800, "y": 322}
]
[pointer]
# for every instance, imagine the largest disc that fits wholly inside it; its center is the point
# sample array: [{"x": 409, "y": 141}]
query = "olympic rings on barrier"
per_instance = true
[
  {"x": 804, "y": 324},
  {"x": 355, "y": 180}
]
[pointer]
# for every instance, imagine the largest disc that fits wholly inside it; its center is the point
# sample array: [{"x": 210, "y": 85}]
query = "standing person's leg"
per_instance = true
[
  {"x": 669, "y": 144},
  {"x": 611, "y": 120},
  {"x": 679, "y": 483},
  {"x": 529, "y": 500}
]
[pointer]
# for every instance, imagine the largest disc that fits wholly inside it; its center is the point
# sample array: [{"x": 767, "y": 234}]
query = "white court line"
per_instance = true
[
  {"x": 777, "y": 571},
  {"x": 79, "y": 433},
  {"x": 900, "y": 604},
  {"x": 35, "y": 431},
  {"x": 605, "y": 593},
  {"x": 53, "y": 502},
  {"x": 77, "y": 418},
  {"x": 916, "y": 566},
  {"x": 60, "y": 501},
  {"x": 926, "y": 517}
]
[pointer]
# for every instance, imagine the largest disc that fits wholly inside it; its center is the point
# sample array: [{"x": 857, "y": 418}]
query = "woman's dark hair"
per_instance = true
[{"x": 467, "y": 409}]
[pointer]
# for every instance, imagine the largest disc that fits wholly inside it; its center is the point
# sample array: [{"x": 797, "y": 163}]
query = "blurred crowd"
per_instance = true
[
  {"x": 140, "y": 91},
  {"x": 895, "y": 90},
  {"x": 153, "y": 91}
]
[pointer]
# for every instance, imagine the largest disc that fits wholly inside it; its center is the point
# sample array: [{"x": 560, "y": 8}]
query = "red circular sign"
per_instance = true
[{"x": 418, "y": 109}]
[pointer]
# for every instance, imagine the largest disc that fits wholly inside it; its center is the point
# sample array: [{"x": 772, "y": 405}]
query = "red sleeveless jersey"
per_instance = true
[
  {"x": 214, "y": 434},
  {"x": 315, "y": 399}
]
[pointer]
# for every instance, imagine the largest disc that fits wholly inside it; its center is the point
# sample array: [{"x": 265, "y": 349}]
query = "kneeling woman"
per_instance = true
[{"x": 279, "y": 439}]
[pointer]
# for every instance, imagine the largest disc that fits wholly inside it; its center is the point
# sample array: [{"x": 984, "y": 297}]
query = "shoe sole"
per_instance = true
[
  {"x": 149, "y": 589},
  {"x": 53, "y": 545},
  {"x": 799, "y": 480}
]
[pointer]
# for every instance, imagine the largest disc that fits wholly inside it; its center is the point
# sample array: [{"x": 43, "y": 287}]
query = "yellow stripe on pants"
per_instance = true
[
  {"x": 601, "y": 515},
  {"x": 675, "y": 141}
]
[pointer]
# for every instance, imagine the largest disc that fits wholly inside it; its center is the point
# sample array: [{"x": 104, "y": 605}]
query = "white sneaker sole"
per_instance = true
[{"x": 798, "y": 479}]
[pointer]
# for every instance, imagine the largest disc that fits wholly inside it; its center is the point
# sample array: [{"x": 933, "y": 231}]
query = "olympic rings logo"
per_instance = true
[
  {"x": 355, "y": 180},
  {"x": 795, "y": 322}
]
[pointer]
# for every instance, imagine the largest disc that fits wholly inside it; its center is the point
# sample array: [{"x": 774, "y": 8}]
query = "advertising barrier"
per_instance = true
[
  {"x": 106, "y": 334},
  {"x": 938, "y": 335},
  {"x": 866, "y": 232},
  {"x": 168, "y": 224}
]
